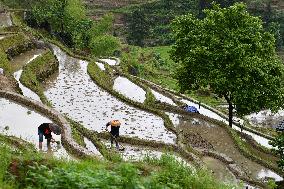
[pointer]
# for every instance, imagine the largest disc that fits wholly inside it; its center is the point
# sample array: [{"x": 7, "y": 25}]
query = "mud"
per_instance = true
[{"x": 222, "y": 142}]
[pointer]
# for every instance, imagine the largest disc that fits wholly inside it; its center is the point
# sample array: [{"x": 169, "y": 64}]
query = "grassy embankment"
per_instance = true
[{"x": 23, "y": 167}]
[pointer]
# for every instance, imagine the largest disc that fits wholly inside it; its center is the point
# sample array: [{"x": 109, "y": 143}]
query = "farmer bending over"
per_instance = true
[
  {"x": 115, "y": 125},
  {"x": 45, "y": 130}
]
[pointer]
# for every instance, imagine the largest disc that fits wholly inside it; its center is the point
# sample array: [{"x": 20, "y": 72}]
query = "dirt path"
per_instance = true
[{"x": 8, "y": 83}]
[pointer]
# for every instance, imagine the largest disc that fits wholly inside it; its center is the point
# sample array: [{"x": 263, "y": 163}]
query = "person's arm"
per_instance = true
[{"x": 107, "y": 126}]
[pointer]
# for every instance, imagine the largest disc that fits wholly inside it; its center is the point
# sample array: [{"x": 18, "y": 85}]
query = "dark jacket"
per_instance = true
[
  {"x": 45, "y": 130},
  {"x": 114, "y": 130}
]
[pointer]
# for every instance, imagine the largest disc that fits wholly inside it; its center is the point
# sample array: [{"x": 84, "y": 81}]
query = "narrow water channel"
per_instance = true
[
  {"x": 73, "y": 92},
  {"x": 17, "y": 65},
  {"x": 5, "y": 20}
]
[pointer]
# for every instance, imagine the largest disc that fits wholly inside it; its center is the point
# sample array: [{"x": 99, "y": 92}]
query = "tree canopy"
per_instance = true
[
  {"x": 67, "y": 19},
  {"x": 230, "y": 52}
]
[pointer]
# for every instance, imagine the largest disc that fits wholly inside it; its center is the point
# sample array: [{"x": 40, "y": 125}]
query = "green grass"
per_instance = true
[
  {"x": 12, "y": 41},
  {"x": 4, "y": 63},
  {"x": 23, "y": 167}
]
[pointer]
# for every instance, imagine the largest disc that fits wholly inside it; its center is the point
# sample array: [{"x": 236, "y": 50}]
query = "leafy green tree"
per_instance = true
[
  {"x": 205, "y": 4},
  {"x": 230, "y": 52},
  {"x": 137, "y": 27},
  {"x": 104, "y": 45}
]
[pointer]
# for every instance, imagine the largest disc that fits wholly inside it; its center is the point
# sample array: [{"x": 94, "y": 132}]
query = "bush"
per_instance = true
[
  {"x": 4, "y": 63},
  {"x": 104, "y": 45}
]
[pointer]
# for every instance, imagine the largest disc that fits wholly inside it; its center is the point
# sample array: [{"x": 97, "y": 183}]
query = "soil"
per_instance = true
[
  {"x": 222, "y": 142},
  {"x": 8, "y": 83}
]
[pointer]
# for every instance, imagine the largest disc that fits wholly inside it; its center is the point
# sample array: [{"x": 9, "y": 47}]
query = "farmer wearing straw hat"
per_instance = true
[
  {"x": 115, "y": 125},
  {"x": 45, "y": 130}
]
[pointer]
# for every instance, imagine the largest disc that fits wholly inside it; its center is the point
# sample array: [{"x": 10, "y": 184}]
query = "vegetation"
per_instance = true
[
  {"x": 26, "y": 168},
  {"x": 12, "y": 41},
  {"x": 148, "y": 24},
  {"x": 230, "y": 52},
  {"x": 68, "y": 21},
  {"x": 37, "y": 71},
  {"x": 4, "y": 63}
]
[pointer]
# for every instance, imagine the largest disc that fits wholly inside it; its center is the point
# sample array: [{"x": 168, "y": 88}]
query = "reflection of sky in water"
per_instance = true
[
  {"x": 101, "y": 65},
  {"x": 270, "y": 174},
  {"x": 73, "y": 92},
  {"x": 5, "y": 20},
  {"x": 23, "y": 123},
  {"x": 136, "y": 153},
  {"x": 91, "y": 147},
  {"x": 163, "y": 98},
  {"x": 109, "y": 61},
  {"x": 129, "y": 89},
  {"x": 174, "y": 118}
]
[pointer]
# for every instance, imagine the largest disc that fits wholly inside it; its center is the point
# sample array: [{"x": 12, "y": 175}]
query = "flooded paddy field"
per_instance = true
[
  {"x": 259, "y": 139},
  {"x": 138, "y": 153},
  {"x": 22, "y": 122},
  {"x": 265, "y": 118},
  {"x": 73, "y": 92},
  {"x": 129, "y": 89},
  {"x": 5, "y": 20},
  {"x": 162, "y": 98},
  {"x": 213, "y": 137}
]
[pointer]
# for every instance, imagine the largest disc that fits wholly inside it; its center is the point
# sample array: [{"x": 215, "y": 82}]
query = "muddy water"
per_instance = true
[
  {"x": 265, "y": 118},
  {"x": 162, "y": 98},
  {"x": 23, "y": 123},
  {"x": 129, "y": 89},
  {"x": 266, "y": 173},
  {"x": 137, "y": 153},
  {"x": 19, "y": 61},
  {"x": 261, "y": 140},
  {"x": 17, "y": 65},
  {"x": 110, "y": 62},
  {"x": 73, "y": 92},
  {"x": 5, "y": 20},
  {"x": 219, "y": 170},
  {"x": 92, "y": 148},
  {"x": 223, "y": 143}
]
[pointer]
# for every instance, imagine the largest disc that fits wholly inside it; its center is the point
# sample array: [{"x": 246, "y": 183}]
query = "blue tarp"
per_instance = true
[
  {"x": 280, "y": 126},
  {"x": 191, "y": 109}
]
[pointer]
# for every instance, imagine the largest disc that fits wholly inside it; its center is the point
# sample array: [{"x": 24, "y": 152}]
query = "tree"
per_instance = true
[
  {"x": 104, "y": 45},
  {"x": 205, "y": 4},
  {"x": 230, "y": 52},
  {"x": 138, "y": 28}
]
